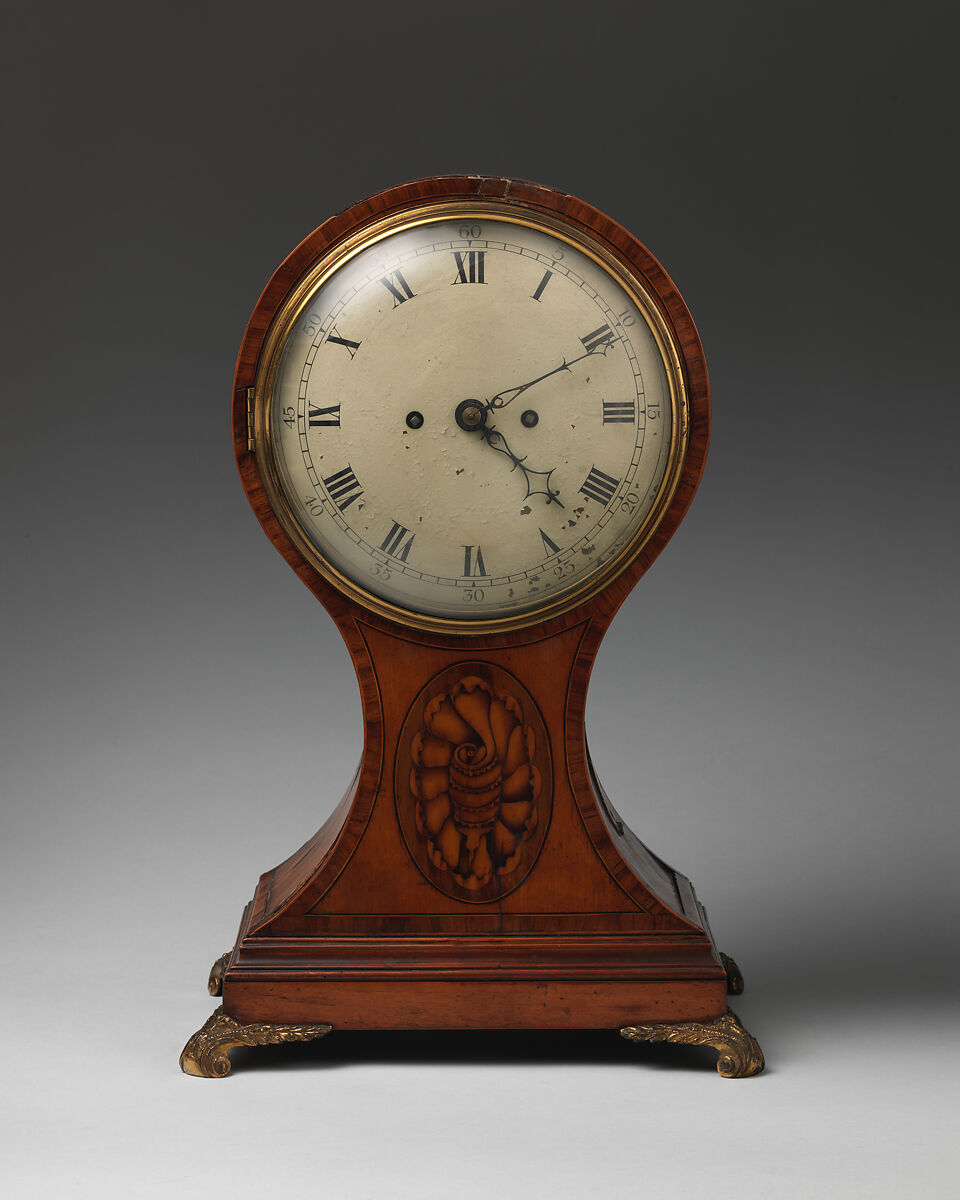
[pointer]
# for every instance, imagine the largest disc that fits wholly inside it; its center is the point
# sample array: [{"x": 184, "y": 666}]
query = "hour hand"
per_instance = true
[{"x": 538, "y": 482}]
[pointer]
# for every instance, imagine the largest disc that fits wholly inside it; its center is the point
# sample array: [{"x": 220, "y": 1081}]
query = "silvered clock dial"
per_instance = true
[{"x": 470, "y": 416}]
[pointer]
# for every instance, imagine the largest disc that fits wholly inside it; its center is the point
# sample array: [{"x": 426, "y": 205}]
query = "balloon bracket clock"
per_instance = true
[{"x": 470, "y": 412}]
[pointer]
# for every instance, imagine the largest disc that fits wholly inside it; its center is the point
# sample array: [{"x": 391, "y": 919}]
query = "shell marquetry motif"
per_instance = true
[{"x": 475, "y": 808}]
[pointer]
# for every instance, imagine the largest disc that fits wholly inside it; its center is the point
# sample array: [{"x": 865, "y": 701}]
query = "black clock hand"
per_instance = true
[
  {"x": 496, "y": 441},
  {"x": 508, "y": 395}
]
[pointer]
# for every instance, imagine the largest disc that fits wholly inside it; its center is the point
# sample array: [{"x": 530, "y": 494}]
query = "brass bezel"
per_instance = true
[{"x": 298, "y": 299}]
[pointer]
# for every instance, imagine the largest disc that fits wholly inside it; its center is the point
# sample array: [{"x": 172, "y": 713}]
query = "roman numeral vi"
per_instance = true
[{"x": 473, "y": 562}]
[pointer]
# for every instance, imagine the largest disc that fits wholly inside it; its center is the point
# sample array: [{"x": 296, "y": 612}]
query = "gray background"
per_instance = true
[{"x": 774, "y": 710}]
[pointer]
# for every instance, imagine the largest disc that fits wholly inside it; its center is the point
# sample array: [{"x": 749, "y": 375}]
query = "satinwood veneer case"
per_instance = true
[{"x": 474, "y": 875}]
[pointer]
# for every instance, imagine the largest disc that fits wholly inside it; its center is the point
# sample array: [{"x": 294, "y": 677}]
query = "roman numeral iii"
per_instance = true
[
  {"x": 473, "y": 562},
  {"x": 394, "y": 544},
  {"x": 598, "y": 485},
  {"x": 469, "y": 266},
  {"x": 343, "y": 487},
  {"x": 324, "y": 416},
  {"x": 619, "y": 412},
  {"x": 398, "y": 288}
]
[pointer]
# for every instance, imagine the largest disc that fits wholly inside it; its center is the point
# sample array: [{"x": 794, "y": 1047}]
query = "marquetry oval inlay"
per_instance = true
[{"x": 474, "y": 784}]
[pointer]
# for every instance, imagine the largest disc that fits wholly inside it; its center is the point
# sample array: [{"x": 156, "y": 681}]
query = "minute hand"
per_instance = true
[{"x": 508, "y": 395}]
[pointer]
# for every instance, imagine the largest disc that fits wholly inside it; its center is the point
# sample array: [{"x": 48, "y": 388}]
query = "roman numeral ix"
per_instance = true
[
  {"x": 343, "y": 487},
  {"x": 399, "y": 290},
  {"x": 469, "y": 266},
  {"x": 324, "y": 416},
  {"x": 598, "y": 485},
  {"x": 394, "y": 544}
]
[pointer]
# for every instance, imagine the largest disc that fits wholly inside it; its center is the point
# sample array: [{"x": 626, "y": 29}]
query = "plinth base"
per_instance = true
[{"x": 461, "y": 1004}]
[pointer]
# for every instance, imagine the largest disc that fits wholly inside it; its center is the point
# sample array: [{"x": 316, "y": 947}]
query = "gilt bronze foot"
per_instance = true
[
  {"x": 740, "y": 1055},
  {"x": 734, "y": 976},
  {"x": 206, "y": 1054},
  {"x": 215, "y": 982}
]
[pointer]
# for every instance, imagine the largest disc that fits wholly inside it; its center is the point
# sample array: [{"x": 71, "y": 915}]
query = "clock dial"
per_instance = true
[{"x": 471, "y": 417}]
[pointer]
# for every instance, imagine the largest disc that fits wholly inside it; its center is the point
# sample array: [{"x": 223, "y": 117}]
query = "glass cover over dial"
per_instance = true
[{"x": 470, "y": 417}]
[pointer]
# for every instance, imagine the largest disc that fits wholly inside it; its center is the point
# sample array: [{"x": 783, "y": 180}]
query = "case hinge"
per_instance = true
[{"x": 251, "y": 439}]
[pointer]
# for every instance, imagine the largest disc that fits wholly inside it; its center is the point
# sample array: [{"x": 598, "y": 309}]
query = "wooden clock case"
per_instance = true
[{"x": 357, "y": 929}]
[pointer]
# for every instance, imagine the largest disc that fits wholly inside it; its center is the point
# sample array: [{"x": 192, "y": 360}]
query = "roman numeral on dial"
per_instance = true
[
  {"x": 469, "y": 266},
  {"x": 334, "y": 337},
  {"x": 324, "y": 416},
  {"x": 542, "y": 284},
  {"x": 398, "y": 287},
  {"x": 549, "y": 544},
  {"x": 473, "y": 562},
  {"x": 619, "y": 412},
  {"x": 343, "y": 487},
  {"x": 598, "y": 485},
  {"x": 599, "y": 339},
  {"x": 394, "y": 544}
]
